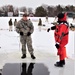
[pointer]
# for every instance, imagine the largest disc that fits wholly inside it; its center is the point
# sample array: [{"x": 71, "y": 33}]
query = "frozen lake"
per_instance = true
[
  {"x": 44, "y": 50},
  {"x": 42, "y": 40}
]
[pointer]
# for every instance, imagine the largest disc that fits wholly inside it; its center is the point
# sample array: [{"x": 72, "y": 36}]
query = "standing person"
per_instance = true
[
  {"x": 73, "y": 21},
  {"x": 55, "y": 20},
  {"x": 40, "y": 24},
  {"x": 61, "y": 38},
  {"x": 46, "y": 18},
  {"x": 25, "y": 28},
  {"x": 72, "y": 25},
  {"x": 15, "y": 23},
  {"x": 10, "y": 24}
]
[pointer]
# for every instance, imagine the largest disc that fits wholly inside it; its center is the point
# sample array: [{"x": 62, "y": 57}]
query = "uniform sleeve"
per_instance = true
[
  {"x": 21, "y": 27},
  {"x": 18, "y": 27},
  {"x": 31, "y": 27}
]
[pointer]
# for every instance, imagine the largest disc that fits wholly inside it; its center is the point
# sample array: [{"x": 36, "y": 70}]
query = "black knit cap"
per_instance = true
[
  {"x": 25, "y": 15},
  {"x": 60, "y": 15}
]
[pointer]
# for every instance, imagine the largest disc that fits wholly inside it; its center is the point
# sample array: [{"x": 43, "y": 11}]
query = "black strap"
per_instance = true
[
  {"x": 66, "y": 33},
  {"x": 64, "y": 22}
]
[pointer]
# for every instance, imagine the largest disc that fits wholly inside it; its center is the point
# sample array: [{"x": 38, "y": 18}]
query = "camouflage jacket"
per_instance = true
[{"x": 24, "y": 26}]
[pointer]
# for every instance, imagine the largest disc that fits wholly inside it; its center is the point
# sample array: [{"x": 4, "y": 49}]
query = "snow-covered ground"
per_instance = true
[
  {"x": 43, "y": 43},
  {"x": 42, "y": 40}
]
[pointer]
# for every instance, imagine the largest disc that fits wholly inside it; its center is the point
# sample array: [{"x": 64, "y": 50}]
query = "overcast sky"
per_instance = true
[{"x": 36, "y": 3}]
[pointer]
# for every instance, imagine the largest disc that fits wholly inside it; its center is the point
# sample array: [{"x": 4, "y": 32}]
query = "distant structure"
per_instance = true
[
  {"x": 31, "y": 15},
  {"x": 2, "y": 14},
  {"x": 21, "y": 14},
  {"x": 70, "y": 14},
  {"x": 10, "y": 14}
]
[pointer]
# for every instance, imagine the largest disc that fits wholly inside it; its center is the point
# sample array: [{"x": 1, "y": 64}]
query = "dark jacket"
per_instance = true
[{"x": 10, "y": 23}]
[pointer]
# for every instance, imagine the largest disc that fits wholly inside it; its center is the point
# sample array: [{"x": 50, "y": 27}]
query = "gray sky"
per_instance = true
[{"x": 36, "y": 3}]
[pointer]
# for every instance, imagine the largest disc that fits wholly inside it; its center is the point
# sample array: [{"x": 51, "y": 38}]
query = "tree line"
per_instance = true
[{"x": 41, "y": 11}]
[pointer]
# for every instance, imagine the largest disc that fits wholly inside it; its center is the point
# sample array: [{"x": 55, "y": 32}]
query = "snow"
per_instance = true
[
  {"x": 42, "y": 40},
  {"x": 43, "y": 43}
]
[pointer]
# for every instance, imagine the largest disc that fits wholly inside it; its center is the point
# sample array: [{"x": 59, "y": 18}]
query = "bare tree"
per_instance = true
[
  {"x": 23, "y": 9},
  {"x": 10, "y": 8},
  {"x": 30, "y": 10},
  {"x": 16, "y": 11}
]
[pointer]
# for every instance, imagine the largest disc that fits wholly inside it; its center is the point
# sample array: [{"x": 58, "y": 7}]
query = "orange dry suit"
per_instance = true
[{"x": 61, "y": 37}]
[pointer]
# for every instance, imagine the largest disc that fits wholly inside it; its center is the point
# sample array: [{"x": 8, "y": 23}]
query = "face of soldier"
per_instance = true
[{"x": 24, "y": 18}]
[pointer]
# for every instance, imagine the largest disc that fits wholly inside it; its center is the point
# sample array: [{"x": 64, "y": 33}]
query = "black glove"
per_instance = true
[
  {"x": 48, "y": 29},
  {"x": 28, "y": 34},
  {"x": 53, "y": 27},
  {"x": 21, "y": 33},
  {"x": 57, "y": 46}
]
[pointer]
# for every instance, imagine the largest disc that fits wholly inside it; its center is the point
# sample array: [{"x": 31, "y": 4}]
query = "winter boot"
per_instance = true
[
  {"x": 23, "y": 56},
  {"x": 59, "y": 64},
  {"x": 63, "y": 61},
  {"x": 32, "y": 56}
]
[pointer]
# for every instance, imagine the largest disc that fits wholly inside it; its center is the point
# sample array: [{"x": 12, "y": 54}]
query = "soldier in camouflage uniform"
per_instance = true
[{"x": 25, "y": 28}]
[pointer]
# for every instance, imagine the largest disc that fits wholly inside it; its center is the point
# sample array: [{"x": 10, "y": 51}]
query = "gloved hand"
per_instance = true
[
  {"x": 21, "y": 33},
  {"x": 57, "y": 46},
  {"x": 53, "y": 27},
  {"x": 28, "y": 34},
  {"x": 48, "y": 29}
]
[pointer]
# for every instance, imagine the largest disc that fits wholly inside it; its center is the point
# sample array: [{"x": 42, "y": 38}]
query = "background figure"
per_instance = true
[
  {"x": 25, "y": 28},
  {"x": 10, "y": 24},
  {"x": 39, "y": 24},
  {"x": 72, "y": 25},
  {"x": 73, "y": 21},
  {"x": 26, "y": 71},
  {"x": 46, "y": 18},
  {"x": 15, "y": 23},
  {"x": 55, "y": 19}
]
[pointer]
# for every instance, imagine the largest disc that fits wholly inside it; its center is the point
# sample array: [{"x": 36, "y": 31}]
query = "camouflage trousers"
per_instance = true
[{"x": 26, "y": 40}]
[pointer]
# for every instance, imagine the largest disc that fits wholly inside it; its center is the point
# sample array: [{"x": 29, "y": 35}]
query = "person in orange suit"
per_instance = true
[{"x": 61, "y": 37}]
